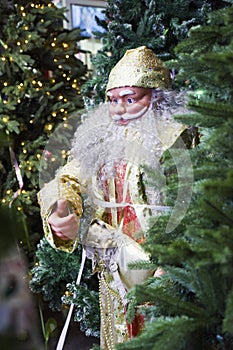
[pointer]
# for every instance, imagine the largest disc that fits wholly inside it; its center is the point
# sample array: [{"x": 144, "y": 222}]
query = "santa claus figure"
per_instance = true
[{"x": 101, "y": 198}]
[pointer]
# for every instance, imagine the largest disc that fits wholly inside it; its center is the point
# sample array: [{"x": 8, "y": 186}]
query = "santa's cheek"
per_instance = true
[{"x": 135, "y": 108}]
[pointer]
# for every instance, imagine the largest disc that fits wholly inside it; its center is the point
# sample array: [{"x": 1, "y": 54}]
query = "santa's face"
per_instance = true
[{"x": 128, "y": 103}]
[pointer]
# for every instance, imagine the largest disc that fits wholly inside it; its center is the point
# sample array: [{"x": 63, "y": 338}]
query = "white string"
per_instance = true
[
  {"x": 62, "y": 338},
  {"x": 105, "y": 204}
]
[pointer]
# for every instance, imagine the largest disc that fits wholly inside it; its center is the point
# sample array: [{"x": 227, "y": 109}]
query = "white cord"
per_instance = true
[{"x": 62, "y": 338}]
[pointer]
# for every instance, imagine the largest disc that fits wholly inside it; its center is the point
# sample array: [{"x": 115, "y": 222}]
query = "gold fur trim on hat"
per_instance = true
[{"x": 139, "y": 67}]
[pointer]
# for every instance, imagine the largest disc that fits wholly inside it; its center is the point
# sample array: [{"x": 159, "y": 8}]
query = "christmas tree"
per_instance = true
[
  {"x": 160, "y": 25},
  {"x": 40, "y": 80},
  {"x": 190, "y": 306}
]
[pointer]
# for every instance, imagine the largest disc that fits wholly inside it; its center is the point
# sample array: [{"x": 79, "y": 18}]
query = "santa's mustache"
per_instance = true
[{"x": 128, "y": 116}]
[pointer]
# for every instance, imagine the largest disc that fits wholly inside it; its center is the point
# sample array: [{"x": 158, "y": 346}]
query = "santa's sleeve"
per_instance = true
[{"x": 65, "y": 185}]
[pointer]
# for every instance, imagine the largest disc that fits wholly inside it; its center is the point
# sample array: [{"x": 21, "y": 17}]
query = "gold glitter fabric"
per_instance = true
[{"x": 139, "y": 67}]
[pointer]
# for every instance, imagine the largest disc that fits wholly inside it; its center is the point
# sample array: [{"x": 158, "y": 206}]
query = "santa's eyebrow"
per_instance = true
[{"x": 126, "y": 92}]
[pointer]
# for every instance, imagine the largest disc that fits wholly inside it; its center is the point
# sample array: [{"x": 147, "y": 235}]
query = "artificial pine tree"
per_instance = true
[
  {"x": 190, "y": 306},
  {"x": 40, "y": 80},
  {"x": 159, "y": 25}
]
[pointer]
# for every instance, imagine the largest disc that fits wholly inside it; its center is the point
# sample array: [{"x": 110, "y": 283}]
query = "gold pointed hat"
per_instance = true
[{"x": 139, "y": 67}]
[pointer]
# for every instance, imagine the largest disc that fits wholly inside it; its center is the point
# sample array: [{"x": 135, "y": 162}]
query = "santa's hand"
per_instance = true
[{"x": 63, "y": 224}]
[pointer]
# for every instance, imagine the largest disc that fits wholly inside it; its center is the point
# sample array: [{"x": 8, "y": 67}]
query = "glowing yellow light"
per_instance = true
[
  {"x": 26, "y": 28},
  {"x": 18, "y": 43},
  {"x": 62, "y": 110},
  {"x": 68, "y": 79},
  {"x": 67, "y": 56},
  {"x": 53, "y": 44},
  {"x": 23, "y": 14},
  {"x": 29, "y": 168},
  {"x": 8, "y": 191},
  {"x": 64, "y": 75},
  {"x": 37, "y": 89},
  {"x": 21, "y": 84},
  {"x": 53, "y": 81},
  {"x": 24, "y": 151},
  {"x": 5, "y": 119},
  {"x": 65, "y": 99},
  {"x": 22, "y": 143},
  {"x": 19, "y": 209},
  {"x": 3, "y": 200},
  {"x": 74, "y": 86},
  {"x": 49, "y": 127},
  {"x": 32, "y": 5},
  {"x": 20, "y": 50},
  {"x": 65, "y": 125},
  {"x": 3, "y": 58},
  {"x": 31, "y": 121},
  {"x": 60, "y": 66},
  {"x": 11, "y": 59},
  {"x": 75, "y": 80},
  {"x": 21, "y": 8},
  {"x": 38, "y": 155},
  {"x": 39, "y": 83},
  {"x": 55, "y": 60},
  {"x": 65, "y": 45},
  {"x": 26, "y": 41},
  {"x": 42, "y": 20},
  {"x": 34, "y": 82},
  {"x": 5, "y": 83},
  {"x": 18, "y": 100},
  {"x": 54, "y": 114},
  {"x": 5, "y": 46},
  {"x": 60, "y": 97},
  {"x": 48, "y": 93}
]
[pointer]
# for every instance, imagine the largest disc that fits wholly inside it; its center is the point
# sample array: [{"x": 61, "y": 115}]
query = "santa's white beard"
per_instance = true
[{"x": 101, "y": 141}]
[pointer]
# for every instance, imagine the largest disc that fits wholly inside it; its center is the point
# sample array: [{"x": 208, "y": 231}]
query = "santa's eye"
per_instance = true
[
  {"x": 114, "y": 101},
  {"x": 130, "y": 100}
]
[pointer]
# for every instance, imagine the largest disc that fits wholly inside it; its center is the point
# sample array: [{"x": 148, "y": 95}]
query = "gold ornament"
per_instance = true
[{"x": 139, "y": 67}]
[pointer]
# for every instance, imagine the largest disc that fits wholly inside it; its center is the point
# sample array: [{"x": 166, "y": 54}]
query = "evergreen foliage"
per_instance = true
[
  {"x": 160, "y": 25},
  {"x": 40, "y": 80},
  {"x": 51, "y": 277},
  {"x": 190, "y": 307}
]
